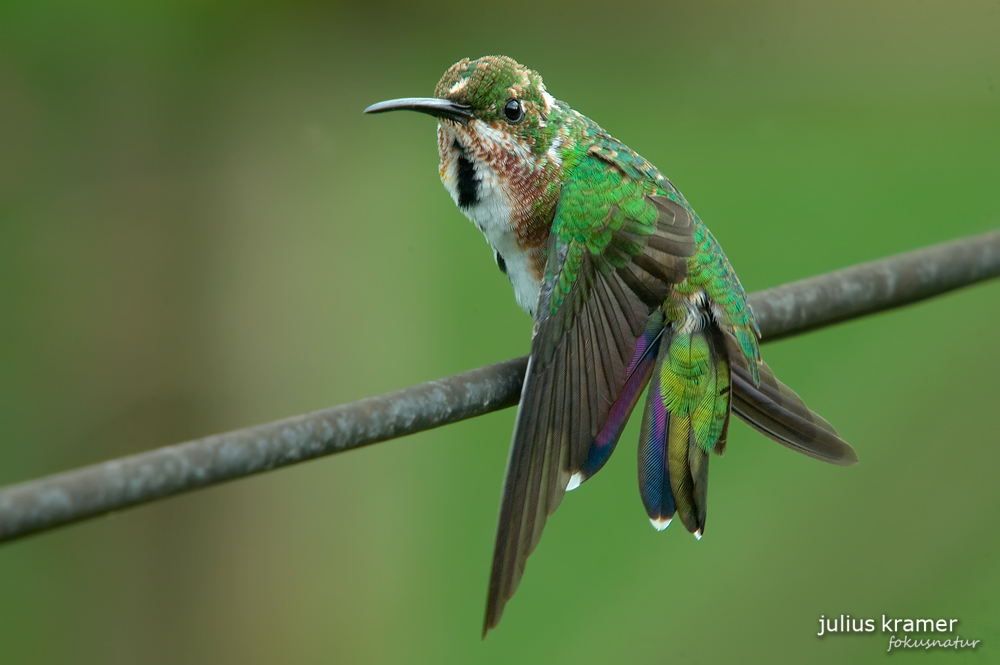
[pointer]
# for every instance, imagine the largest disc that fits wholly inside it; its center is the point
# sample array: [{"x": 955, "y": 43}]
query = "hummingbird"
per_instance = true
[{"x": 627, "y": 288}]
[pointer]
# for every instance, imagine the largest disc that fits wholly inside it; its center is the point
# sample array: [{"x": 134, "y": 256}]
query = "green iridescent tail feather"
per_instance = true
[{"x": 686, "y": 417}]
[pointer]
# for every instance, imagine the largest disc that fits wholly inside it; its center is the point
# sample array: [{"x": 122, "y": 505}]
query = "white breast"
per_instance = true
[{"x": 492, "y": 215}]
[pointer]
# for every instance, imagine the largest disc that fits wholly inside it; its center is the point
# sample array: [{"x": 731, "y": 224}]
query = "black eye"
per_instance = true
[{"x": 513, "y": 110}]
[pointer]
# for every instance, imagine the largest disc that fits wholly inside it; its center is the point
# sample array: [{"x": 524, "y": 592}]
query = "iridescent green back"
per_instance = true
[{"x": 611, "y": 182}]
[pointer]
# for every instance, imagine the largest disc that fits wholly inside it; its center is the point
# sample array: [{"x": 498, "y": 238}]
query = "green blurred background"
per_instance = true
[{"x": 200, "y": 231}]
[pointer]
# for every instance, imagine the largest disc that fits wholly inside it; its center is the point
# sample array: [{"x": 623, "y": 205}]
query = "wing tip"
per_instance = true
[
  {"x": 494, "y": 610},
  {"x": 849, "y": 457}
]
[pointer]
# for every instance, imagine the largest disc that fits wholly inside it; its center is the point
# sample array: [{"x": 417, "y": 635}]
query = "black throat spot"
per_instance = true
[{"x": 468, "y": 184}]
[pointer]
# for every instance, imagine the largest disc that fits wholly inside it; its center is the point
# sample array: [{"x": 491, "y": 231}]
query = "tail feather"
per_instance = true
[
  {"x": 686, "y": 417},
  {"x": 698, "y": 464},
  {"x": 774, "y": 410},
  {"x": 654, "y": 480},
  {"x": 680, "y": 448}
]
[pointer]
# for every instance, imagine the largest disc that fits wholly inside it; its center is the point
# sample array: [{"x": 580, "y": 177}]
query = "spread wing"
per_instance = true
[
  {"x": 619, "y": 241},
  {"x": 774, "y": 410}
]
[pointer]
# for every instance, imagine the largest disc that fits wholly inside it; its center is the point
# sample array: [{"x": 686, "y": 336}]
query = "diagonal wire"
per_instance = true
[{"x": 792, "y": 309}]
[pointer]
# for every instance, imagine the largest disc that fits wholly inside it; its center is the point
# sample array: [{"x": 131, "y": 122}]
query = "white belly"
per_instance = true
[{"x": 492, "y": 215}]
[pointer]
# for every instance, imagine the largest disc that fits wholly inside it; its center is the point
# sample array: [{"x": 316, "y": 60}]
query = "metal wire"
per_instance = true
[{"x": 792, "y": 309}]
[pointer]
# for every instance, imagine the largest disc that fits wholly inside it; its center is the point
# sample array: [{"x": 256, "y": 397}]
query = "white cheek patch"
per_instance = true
[
  {"x": 449, "y": 160},
  {"x": 549, "y": 101},
  {"x": 552, "y": 154}
]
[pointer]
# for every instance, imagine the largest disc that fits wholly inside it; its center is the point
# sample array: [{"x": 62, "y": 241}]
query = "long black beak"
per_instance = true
[{"x": 440, "y": 108}]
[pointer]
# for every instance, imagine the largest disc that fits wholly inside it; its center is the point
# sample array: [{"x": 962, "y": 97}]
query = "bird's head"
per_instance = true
[{"x": 495, "y": 114}]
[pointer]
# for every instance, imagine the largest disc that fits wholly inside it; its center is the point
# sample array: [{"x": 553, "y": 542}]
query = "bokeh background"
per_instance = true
[{"x": 200, "y": 231}]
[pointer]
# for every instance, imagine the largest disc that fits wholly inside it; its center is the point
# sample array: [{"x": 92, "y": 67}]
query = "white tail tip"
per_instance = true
[
  {"x": 574, "y": 481},
  {"x": 660, "y": 524},
  {"x": 697, "y": 534}
]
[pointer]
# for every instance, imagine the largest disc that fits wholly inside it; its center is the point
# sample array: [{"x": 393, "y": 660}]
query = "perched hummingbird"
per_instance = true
[{"x": 627, "y": 287}]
